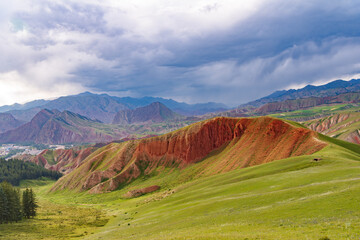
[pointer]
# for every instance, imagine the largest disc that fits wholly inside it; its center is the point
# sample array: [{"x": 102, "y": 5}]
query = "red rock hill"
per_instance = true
[{"x": 236, "y": 143}]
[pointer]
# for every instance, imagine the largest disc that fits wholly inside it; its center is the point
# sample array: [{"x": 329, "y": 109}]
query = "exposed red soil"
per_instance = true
[{"x": 247, "y": 141}]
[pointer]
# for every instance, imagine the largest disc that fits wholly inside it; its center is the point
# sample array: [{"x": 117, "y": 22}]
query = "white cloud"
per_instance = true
[
  {"x": 24, "y": 90},
  {"x": 149, "y": 20}
]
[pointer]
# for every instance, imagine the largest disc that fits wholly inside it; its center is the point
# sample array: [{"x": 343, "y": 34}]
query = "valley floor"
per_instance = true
[{"x": 294, "y": 198}]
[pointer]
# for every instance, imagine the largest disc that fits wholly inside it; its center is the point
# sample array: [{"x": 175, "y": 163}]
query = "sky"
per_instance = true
[{"x": 229, "y": 51}]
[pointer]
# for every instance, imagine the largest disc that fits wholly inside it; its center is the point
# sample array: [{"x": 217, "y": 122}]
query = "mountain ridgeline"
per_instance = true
[{"x": 104, "y": 107}]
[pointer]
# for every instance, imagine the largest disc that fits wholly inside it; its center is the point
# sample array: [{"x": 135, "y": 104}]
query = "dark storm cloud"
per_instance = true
[
  {"x": 275, "y": 28},
  {"x": 226, "y": 51}
]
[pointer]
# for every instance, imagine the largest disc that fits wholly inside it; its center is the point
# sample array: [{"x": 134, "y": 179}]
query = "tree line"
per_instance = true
[
  {"x": 13, "y": 207},
  {"x": 13, "y": 171}
]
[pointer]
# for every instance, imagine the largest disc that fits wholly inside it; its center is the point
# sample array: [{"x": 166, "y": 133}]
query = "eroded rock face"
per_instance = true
[
  {"x": 344, "y": 126},
  {"x": 237, "y": 143},
  {"x": 327, "y": 123},
  {"x": 188, "y": 146}
]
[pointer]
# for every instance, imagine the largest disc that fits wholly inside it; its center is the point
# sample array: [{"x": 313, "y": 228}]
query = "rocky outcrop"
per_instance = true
[
  {"x": 155, "y": 112},
  {"x": 237, "y": 143}
]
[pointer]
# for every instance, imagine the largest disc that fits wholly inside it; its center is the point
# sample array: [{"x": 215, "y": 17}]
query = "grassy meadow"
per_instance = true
[{"x": 294, "y": 198}]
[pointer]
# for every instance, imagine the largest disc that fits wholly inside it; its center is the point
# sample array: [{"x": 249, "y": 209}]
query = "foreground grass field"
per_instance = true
[
  {"x": 294, "y": 198},
  {"x": 54, "y": 221}
]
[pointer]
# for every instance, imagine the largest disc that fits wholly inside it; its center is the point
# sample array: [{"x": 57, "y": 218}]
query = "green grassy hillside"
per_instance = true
[{"x": 293, "y": 198}]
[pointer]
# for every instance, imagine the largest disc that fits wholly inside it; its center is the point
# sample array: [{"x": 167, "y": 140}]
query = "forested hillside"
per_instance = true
[{"x": 13, "y": 171}]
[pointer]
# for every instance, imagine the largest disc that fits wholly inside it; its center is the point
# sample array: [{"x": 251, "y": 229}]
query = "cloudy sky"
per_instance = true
[{"x": 229, "y": 51}]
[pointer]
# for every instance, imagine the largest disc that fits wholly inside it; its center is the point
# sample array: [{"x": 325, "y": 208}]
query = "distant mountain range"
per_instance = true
[
  {"x": 155, "y": 112},
  {"x": 86, "y": 117},
  {"x": 331, "y": 89},
  {"x": 336, "y": 92},
  {"x": 304, "y": 103},
  {"x": 55, "y": 127},
  {"x": 104, "y": 107}
]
